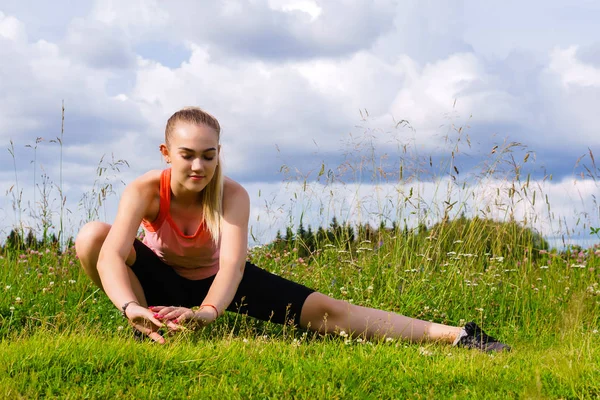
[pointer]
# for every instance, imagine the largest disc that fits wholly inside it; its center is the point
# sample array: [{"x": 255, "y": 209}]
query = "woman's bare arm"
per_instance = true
[
  {"x": 137, "y": 202},
  {"x": 234, "y": 246}
]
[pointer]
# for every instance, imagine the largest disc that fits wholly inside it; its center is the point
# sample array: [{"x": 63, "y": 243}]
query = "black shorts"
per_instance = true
[{"x": 260, "y": 294}]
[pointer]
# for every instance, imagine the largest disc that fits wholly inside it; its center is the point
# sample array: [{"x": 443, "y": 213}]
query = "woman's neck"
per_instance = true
[{"x": 184, "y": 199}]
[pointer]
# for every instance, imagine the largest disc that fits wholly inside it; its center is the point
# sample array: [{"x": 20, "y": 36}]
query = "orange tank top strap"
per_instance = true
[{"x": 165, "y": 202}]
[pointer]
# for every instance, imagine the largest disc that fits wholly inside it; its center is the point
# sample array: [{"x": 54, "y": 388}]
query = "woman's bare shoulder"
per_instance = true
[
  {"x": 149, "y": 179},
  {"x": 232, "y": 188},
  {"x": 145, "y": 190},
  {"x": 236, "y": 203}
]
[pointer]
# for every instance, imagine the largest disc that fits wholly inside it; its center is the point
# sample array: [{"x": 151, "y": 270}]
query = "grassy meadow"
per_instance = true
[{"x": 61, "y": 337}]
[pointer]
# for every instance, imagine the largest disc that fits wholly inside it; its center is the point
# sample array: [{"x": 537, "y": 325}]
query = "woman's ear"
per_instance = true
[{"x": 165, "y": 153}]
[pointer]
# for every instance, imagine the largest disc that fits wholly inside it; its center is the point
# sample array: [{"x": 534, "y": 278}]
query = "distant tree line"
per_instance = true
[
  {"x": 15, "y": 241},
  {"x": 508, "y": 239}
]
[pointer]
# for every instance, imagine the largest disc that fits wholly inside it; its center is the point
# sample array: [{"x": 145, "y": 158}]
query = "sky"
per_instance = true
[{"x": 302, "y": 85}]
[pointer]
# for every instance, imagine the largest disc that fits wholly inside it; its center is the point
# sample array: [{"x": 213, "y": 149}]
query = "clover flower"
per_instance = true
[{"x": 424, "y": 352}]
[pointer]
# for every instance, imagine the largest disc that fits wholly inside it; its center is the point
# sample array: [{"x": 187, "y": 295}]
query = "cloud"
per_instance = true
[
  {"x": 268, "y": 31},
  {"x": 297, "y": 83},
  {"x": 496, "y": 29},
  {"x": 424, "y": 31},
  {"x": 98, "y": 45},
  {"x": 589, "y": 54}
]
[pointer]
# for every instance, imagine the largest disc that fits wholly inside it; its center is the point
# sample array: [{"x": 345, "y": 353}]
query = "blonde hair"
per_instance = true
[{"x": 211, "y": 196}]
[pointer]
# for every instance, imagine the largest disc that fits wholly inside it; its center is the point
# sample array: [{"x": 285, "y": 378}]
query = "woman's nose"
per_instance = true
[{"x": 197, "y": 164}]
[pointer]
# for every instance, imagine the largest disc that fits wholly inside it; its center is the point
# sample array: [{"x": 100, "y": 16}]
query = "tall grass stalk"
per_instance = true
[{"x": 16, "y": 193}]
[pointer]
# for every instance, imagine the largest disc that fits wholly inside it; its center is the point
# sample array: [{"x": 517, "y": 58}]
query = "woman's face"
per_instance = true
[{"x": 194, "y": 154}]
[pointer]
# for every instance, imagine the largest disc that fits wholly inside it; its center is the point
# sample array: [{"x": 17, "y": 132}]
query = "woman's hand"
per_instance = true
[
  {"x": 144, "y": 321},
  {"x": 178, "y": 318}
]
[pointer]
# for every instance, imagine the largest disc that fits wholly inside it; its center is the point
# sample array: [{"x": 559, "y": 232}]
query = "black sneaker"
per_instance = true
[{"x": 473, "y": 337}]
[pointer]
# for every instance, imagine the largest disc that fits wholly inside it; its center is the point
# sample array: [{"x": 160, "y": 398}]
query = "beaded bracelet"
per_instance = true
[
  {"x": 210, "y": 305},
  {"x": 124, "y": 307}
]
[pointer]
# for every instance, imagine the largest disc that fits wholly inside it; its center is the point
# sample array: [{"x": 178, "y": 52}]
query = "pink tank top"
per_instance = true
[{"x": 193, "y": 257}]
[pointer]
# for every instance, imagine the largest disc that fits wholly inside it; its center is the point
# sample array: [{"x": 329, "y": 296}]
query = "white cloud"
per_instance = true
[
  {"x": 571, "y": 70},
  {"x": 306, "y": 6},
  {"x": 11, "y": 28},
  {"x": 135, "y": 18}
]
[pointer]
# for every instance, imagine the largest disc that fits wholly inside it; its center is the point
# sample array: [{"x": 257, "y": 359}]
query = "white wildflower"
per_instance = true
[{"x": 424, "y": 352}]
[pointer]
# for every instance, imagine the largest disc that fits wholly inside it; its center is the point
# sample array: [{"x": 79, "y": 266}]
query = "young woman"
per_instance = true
[{"x": 194, "y": 254}]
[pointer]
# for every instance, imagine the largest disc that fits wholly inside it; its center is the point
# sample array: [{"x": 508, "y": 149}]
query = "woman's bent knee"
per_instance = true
[{"x": 90, "y": 238}]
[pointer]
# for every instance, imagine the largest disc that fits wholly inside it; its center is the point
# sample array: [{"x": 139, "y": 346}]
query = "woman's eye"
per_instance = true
[
  {"x": 209, "y": 158},
  {"x": 186, "y": 157}
]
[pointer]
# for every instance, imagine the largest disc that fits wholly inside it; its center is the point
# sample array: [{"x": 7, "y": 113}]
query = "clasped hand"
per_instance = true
[{"x": 149, "y": 320}]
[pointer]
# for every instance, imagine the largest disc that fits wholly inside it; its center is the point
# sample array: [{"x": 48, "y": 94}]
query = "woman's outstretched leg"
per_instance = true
[{"x": 324, "y": 314}]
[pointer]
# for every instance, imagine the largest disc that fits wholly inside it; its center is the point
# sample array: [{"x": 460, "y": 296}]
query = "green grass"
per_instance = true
[
  {"x": 89, "y": 364},
  {"x": 65, "y": 339}
]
